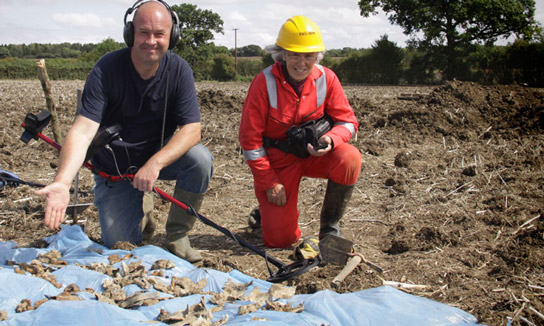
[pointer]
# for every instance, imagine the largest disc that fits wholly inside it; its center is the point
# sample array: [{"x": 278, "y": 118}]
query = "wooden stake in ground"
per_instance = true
[{"x": 46, "y": 85}]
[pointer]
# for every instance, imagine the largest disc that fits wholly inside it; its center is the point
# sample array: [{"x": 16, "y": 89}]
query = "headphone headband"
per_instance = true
[
  {"x": 138, "y": 3},
  {"x": 128, "y": 31}
]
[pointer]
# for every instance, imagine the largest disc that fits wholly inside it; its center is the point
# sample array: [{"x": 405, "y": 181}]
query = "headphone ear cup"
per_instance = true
[
  {"x": 174, "y": 36},
  {"x": 175, "y": 32},
  {"x": 128, "y": 33}
]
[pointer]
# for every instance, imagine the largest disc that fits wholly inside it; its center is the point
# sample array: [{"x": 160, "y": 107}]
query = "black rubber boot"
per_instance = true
[
  {"x": 254, "y": 219},
  {"x": 336, "y": 199},
  {"x": 179, "y": 223}
]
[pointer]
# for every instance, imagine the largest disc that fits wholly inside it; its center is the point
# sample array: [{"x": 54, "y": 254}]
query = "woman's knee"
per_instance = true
[
  {"x": 280, "y": 238},
  {"x": 280, "y": 233},
  {"x": 348, "y": 165}
]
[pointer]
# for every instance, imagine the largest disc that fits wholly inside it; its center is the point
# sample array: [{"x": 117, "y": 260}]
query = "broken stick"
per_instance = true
[{"x": 50, "y": 103}]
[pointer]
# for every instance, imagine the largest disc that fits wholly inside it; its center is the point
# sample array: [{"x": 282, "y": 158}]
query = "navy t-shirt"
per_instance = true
[{"x": 114, "y": 93}]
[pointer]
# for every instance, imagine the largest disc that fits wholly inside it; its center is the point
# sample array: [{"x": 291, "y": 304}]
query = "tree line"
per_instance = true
[{"x": 448, "y": 39}]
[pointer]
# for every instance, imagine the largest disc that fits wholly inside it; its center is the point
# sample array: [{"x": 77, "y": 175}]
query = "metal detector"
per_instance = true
[{"x": 34, "y": 124}]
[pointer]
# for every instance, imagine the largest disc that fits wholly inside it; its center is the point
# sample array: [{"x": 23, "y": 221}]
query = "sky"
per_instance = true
[{"x": 245, "y": 21}]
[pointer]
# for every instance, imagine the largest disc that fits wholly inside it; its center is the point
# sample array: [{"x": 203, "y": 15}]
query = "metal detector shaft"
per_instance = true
[
  {"x": 219, "y": 228},
  {"x": 176, "y": 202}
]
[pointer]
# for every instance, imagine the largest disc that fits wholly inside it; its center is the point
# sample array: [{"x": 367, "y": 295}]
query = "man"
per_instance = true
[
  {"x": 283, "y": 104},
  {"x": 149, "y": 91}
]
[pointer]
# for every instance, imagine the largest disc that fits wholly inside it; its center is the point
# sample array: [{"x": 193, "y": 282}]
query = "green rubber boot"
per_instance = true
[
  {"x": 148, "y": 224},
  {"x": 179, "y": 223}
]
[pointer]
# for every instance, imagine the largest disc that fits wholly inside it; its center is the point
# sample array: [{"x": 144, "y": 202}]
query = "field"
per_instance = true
[{"x": 450, "y": 198}]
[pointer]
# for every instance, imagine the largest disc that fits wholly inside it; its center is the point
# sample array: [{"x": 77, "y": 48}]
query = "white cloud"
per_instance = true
[
  {"x": 237, "y": 20},
  {"x": 77, "y": 19}
]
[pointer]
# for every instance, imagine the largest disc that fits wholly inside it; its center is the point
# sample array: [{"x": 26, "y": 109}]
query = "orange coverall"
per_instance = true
[{"x": 271, "y": 166}]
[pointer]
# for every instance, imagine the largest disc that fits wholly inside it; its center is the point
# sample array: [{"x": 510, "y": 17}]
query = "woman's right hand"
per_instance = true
[{"x": 276, "y": 195}]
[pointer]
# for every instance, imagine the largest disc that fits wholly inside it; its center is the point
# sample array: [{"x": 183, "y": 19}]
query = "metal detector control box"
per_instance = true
[{"x": 34, "y": 124}]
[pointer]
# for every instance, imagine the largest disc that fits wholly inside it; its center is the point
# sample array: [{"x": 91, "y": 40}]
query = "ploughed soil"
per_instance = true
[{"x": 449, "y": 203}]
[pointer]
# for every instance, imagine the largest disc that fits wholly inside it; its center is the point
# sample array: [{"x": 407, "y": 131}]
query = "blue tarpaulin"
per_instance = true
[{"x": 378, "y": 306}]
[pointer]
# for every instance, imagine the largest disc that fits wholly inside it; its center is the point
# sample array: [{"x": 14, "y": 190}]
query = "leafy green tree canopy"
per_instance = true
[
  {"x": 454, "y": 22},
  {"x": 344, "y": 52},
  {"x": 452, "y": 26},
  {"x": 386, "y": 58},
  {"x": 196, "y": 32},
  {"x": 107, "y": 45},
  {"x": 4, "y": 52},
  {"x": 251, "y": 50}
]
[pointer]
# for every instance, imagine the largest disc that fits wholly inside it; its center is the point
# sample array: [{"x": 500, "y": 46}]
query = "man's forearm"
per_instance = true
[
  {"x": 74, "y": 149},
  {"x": 185, "y": 138}
]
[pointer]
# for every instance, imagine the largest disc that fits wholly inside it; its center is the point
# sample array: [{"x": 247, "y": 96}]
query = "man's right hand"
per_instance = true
[
  {"x": 57, "y": 198},
  {"x": 276, "y": 195},
  {"x": 72, "y": 155}
]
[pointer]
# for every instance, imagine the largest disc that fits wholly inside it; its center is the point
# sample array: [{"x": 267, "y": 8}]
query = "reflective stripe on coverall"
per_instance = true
[{"x": 271, "y": 166}]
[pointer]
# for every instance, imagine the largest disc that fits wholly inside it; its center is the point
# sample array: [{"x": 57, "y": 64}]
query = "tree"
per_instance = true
[
  {"x": 385, "y": 58},
  {"x": 249, "y": 51},
  {"x": 4, "y": 52},
  {"x": 196, "y": 32},
  {"x": 202, "y": 67},
  {"x": 344, "y": 52},
  {"x": 452, "y": 26},
  {"x": 525, "y": 61},
  {"x": 15, "y": 50},
  {"x": 267, "y": 60},
  {"x": 107, "y": 45},
  {"x": 223, "y": 67}
]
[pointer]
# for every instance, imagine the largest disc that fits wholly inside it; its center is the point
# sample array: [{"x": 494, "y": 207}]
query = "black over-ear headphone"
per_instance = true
[{"x": 128, "y": 31}]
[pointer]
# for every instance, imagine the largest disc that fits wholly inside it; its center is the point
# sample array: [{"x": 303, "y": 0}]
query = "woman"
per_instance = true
[{"x": 281, "y": 133}]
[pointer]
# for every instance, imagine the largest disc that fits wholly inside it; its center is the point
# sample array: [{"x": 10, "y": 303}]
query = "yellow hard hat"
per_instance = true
[{"x": 300, "y": 34}]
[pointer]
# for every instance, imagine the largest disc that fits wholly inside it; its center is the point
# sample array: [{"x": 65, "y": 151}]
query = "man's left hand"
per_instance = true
[{"x": 145, "y": 178}]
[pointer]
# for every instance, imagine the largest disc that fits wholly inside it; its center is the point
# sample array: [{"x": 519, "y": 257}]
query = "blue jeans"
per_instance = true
[{"x": 120, "y": 204}]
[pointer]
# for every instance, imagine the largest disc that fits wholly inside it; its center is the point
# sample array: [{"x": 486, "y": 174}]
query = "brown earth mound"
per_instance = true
[{"x": 450, "y": 198}]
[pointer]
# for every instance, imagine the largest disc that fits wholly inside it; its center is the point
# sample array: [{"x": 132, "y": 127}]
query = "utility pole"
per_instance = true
[{"x": 235, "y": 49}]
